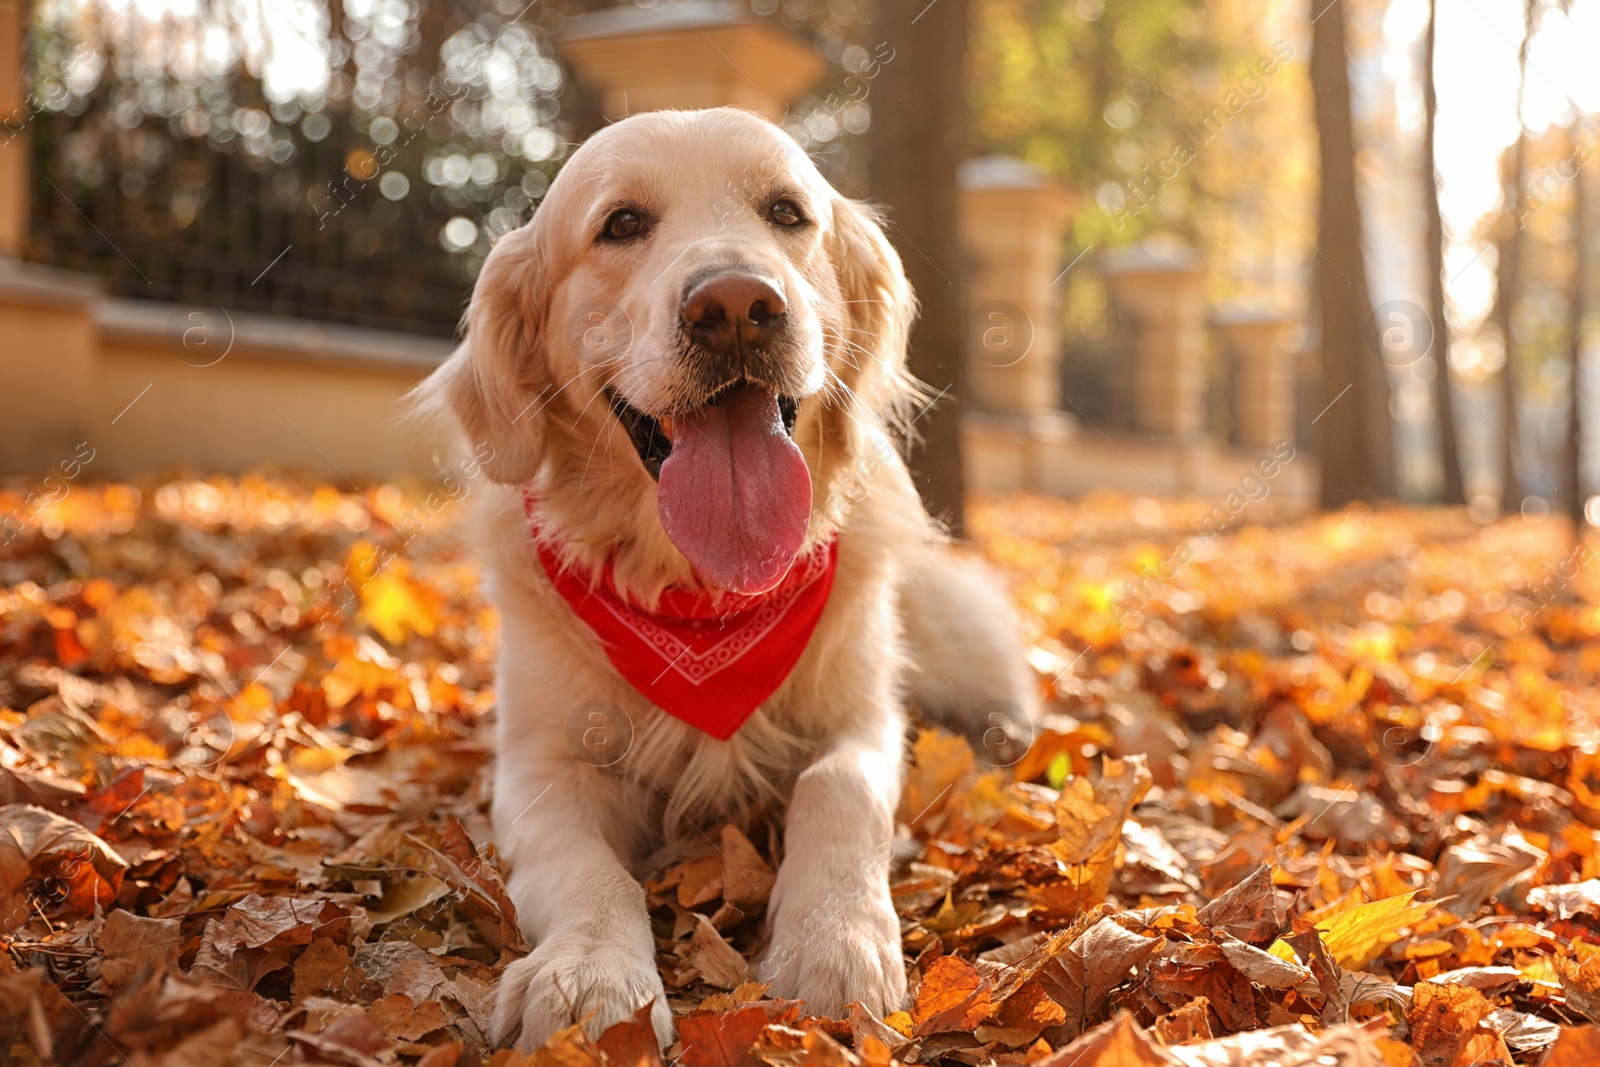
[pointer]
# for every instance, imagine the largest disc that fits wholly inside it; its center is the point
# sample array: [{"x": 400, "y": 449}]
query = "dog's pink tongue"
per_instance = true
[{"x": 735, "y": 494}]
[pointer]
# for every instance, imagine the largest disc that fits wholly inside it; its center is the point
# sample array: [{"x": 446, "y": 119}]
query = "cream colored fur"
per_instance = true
[{"x": 556, "y": 316}]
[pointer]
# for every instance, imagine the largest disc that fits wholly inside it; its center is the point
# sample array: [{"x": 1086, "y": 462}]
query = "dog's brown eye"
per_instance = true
[
  {"x": 624, "y": 224},
  {"x": 785, "y": 213}
]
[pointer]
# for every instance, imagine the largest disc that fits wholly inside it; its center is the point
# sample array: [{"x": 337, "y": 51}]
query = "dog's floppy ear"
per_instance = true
[
  {"x": 497, "y": 381},
  {"x": 880, "y": 304}
]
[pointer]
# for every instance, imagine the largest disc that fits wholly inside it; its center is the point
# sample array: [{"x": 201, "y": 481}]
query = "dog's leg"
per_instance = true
[
  {"x": 966, "y": 661},
  {"x": 835, "y": 936},
  {"x": 594, "y": 953}
]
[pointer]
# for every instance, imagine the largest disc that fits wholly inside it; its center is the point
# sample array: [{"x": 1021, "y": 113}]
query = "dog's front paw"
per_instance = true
[
  {"x": 855, "y": 957},
  {"x": 569, "y": 979}
]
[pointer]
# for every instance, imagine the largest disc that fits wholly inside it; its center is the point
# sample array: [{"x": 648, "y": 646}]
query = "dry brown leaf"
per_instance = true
[
  {"x": 747, "y": 879},
  {"x": 939, "y": 761},
  {"x": 1190, "y": 1023},
  {"x": 1581, "y": 984},
  {"x": 409, "y": 894},
  {"x": 231, "y": 966},
  {"x": 1287, "y": 1046},
  {"x": 1081, "y": 977},
  {"x": 1469, "y": 872},
  {"x": 699, "y": 881},
  {"x": 724, "y": 1039},
  {"x": 403, "y": 1020},
  {"x": 1565, "y": 901},
  {"x": 1118, "y": 1043},
  {"x": 1443, "y": 1020},
  {"x": 350, "y": 1038},
  {"x": 1248, "y": 910},
  {"x": 1263, "y": 968},
  {"x": 325, "y": 967},
  {"x": 865, "y": 1026},
  {"x": 1090, "y": 812},
  {"x": 632, "y": 1042},
  {"x": 442, "y": 1056},
  {"x": 258, "y": 921},
  {"x": 1089, "y": 818},
  {"x": 130, "y": 944},
  {"x": 1203, "y": 970},
  {"x": 1484, "y": 1046},
  {"x": 43, "y": 845},
  {"x": 1578, "y": 1046},
  {"x": 785, "y": 1046},
  {"x": 1022, "y": 1017},
  {"x": 1521, "y": 1031},
  {"x": 718, "y": 962},
  {"x": 952, "y": 996}
]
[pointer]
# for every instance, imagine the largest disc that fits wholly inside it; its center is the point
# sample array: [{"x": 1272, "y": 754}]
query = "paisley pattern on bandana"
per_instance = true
[{"x": 706, "y": 658}]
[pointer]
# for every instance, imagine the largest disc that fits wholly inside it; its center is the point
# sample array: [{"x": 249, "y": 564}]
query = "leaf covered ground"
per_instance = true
[{"x": 1320, "y": 791}]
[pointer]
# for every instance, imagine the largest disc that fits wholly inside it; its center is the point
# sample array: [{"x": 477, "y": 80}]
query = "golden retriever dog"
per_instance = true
[{"x": 716, "y": 583}]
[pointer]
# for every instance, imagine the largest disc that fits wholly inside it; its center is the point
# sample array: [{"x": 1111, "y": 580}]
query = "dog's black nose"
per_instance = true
[{"x": 732, "y": 310}]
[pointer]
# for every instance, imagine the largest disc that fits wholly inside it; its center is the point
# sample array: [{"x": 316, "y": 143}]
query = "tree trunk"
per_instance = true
[
  {"x": 1355, "y": 430},
  {"x": 1509, "y": 287},
  {"x": 1451, "y": 488},
  {"x": 914, "y": 145},
  {"x": 1577, "y": 311}
]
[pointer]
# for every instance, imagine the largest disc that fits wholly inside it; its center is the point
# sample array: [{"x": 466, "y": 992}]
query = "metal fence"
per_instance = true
[{"x": 166, "y": 216}]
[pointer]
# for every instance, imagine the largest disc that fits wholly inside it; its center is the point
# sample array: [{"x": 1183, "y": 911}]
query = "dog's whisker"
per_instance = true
[{"x": 606, "y": 437}]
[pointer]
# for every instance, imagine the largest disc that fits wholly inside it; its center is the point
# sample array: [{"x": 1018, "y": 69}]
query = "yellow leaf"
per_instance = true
[
  {"x": 391, "y": 606},
  {"x": 1280, "y": 948},
  {"x": 1357, "y": 935},
  {"x": 1541, "y": 972},
  {"x": 938, "y": 761},
  {"x": 391, "y": 602}
]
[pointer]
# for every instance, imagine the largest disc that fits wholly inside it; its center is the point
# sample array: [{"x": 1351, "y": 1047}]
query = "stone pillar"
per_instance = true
[
  {"x": 694, "y": 53},
  {"x": 1263, "y": 375},
  {"x": 1011, "y": 223},
  {"x": 15, "y": 140},
  {"x": 1160, "y": 287}
]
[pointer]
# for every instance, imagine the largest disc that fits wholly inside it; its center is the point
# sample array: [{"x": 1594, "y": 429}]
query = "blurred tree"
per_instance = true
[
  {"x": 1181, "y": 118},
  {"x": 917, "y": 139},
  {"x": 1508, "y": 276},
  {"x": 1452, "y": 490},
  {"x": 1577, "y": 312},
  {"x": 347, "y": 130},
  {"x": 1355, "y": 444},
  {"x": 1099, "y": 94}
]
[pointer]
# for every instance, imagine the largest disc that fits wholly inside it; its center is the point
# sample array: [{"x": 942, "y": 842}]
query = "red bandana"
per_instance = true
[{"x": 709, "y": 661}]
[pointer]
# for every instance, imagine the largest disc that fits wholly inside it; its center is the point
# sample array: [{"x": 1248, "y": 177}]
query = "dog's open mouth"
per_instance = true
[
  {"x": 735, "y": 492},
  {"x": 652, "y": 438}
]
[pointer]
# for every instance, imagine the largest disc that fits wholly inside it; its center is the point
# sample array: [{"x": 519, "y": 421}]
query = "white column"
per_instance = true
[
  {"x": 691, "y": 54},
  {"x": 1161, "y": 286},
  {"x": 1011, "y": 223},
  {"x": 1263, "y": 375}
]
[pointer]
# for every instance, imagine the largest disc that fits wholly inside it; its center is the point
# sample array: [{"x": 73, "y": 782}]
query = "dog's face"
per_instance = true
[
  {"x": 692, "y": 285},
  {"x": 696, "y": 261}
]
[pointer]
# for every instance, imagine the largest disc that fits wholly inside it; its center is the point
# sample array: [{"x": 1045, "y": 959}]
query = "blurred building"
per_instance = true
[{"x": 253, "y": 330}]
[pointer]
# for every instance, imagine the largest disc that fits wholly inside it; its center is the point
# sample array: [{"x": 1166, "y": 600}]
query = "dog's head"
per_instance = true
[{"x": 692, "y": 286}]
